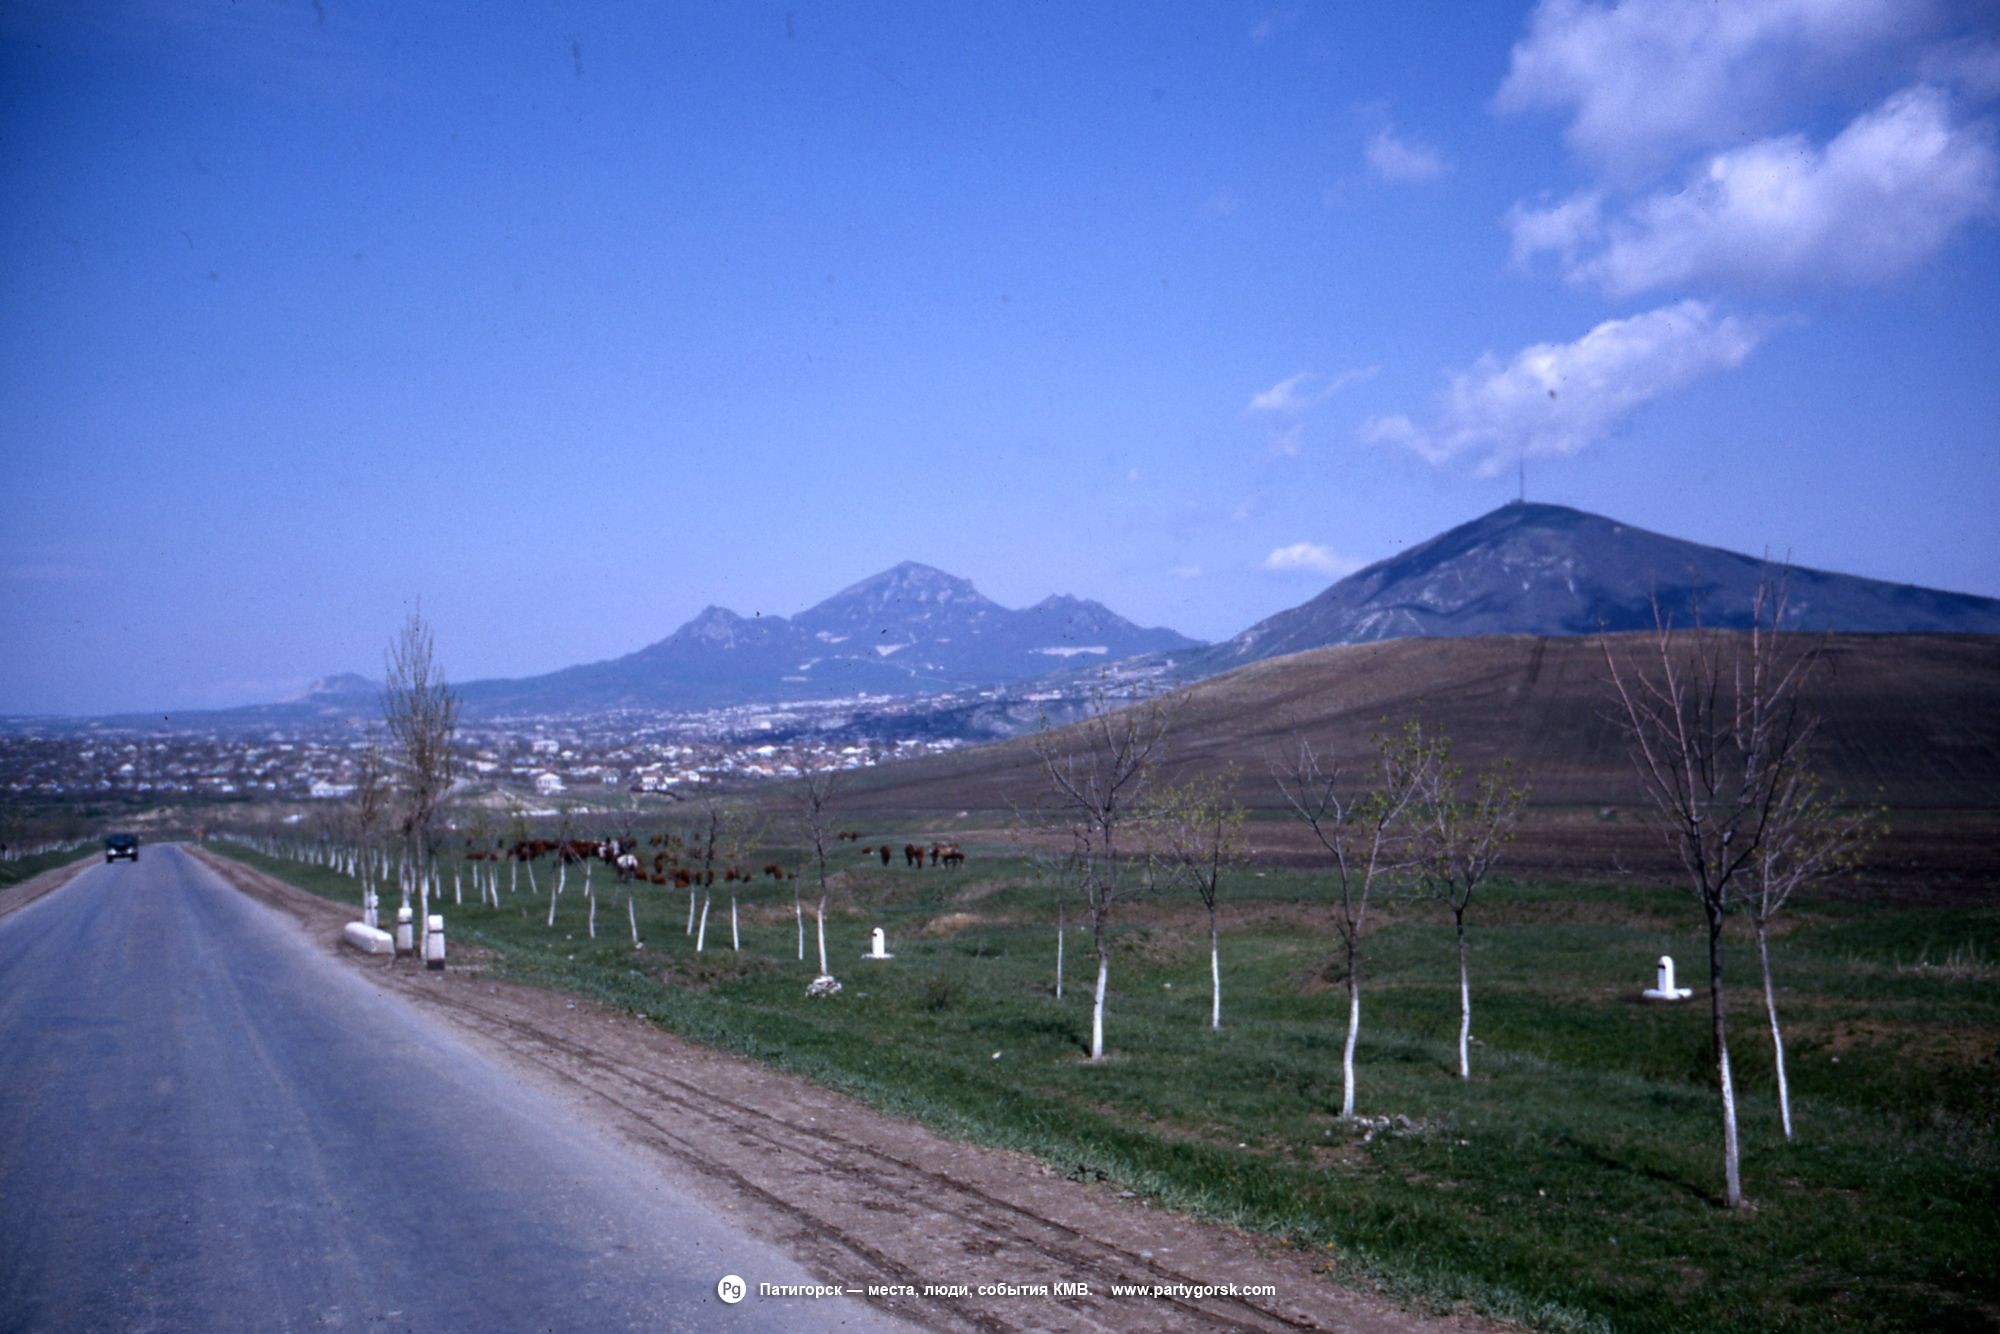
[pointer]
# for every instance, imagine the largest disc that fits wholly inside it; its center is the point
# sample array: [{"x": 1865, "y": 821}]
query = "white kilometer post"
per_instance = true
[
  {"x": 434, "y": 942},
  {"x": 404, "y": 942},
  {"x": 1664, "y": 988}
]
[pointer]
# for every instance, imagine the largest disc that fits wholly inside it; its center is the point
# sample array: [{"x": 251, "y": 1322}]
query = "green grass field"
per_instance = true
[
  {"x": 1573, "y": 1182},
  {"x": 14, "y": 870}
]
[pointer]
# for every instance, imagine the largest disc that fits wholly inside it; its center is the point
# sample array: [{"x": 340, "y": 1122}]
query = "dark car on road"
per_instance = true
[{"x": 121, "y": 845}]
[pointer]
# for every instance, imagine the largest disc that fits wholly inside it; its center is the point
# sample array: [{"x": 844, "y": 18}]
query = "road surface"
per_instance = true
[{"x": 205, "y": 1124}]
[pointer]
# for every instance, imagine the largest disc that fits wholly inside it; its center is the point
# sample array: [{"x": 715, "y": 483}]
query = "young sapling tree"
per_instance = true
[
  {"x": 1716, "y": 733},
  {"x": 1099, "y": 770},
  {"x": 1459, "y": 841},
  {"x": 1201, "y": 839},
  {"x": 1810, "y": 838},
  {"x": 1367, "y": 834}
]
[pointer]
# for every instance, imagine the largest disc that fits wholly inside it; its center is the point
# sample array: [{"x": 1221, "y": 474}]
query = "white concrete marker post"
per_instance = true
[
  {"x": 371, "y": 910},
  {"x": 405, "y": 943},
  {"x": 367, "y": 939},
  {"x": 434, "y": 942},
  {"x": 878, "y": 946},
  {"x": 1663, "y": 988}
]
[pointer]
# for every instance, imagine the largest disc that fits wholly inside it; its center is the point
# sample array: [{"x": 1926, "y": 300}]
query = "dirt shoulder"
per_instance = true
[
  {"x": 16, "y": 897},
  {"x": 864, "y": 1198}
]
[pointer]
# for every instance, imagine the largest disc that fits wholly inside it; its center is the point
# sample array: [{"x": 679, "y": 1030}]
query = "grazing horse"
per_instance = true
[
  {"x": 885, "y": 854},
  {"x": 951, "y": 856},
  {"x": 913, "y": 855}
]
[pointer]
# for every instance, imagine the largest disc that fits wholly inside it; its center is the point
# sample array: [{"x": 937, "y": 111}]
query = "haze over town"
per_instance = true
[{"x": 575, "y": 324}]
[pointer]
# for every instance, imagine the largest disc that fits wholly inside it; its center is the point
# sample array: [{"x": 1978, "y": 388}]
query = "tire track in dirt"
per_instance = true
[{"x": 997, "y": 1222}]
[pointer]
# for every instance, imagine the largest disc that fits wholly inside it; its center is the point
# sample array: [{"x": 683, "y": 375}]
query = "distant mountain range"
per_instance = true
[
  {"x": 915, "y": 631},
  {"x": 1552, "y": 570},
  {"x": 911, "y": 630}
]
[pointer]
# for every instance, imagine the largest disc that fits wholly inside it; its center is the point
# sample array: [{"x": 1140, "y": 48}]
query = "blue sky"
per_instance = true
[{"x": 575, "y": 319}]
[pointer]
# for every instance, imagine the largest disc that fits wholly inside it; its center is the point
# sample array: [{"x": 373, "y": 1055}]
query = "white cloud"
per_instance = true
[
  {"x": 1645, "y": 80},
  {"x": 1558, "y": 398},
  {"x": 1299, "y": 394},
  {"x": 1887, "y": 193},
  {"x": 1563, "y": 228},
  {"x": 1309, "y": 558},
  {"x": 1185, "y": 571},
  {"x": 1286, "y": 404},
  {"x": 1395, "y": 158}
]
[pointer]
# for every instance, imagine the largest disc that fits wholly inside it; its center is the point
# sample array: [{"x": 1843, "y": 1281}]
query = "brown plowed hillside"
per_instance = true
[{"x": 1911, "y": 721}]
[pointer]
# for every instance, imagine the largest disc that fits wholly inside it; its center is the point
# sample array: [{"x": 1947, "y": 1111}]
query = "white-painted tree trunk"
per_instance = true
[
  {"x": 822, "y": 939},
  {"x": 457, "y": 891},
  {"x": 1777, "y": 1033},
  {"x": 735, "y": 940},
  {"x": 1464, "y": 1008},
  {"x": 690, "y": 930},
  {"x": 1060, "y": 932},
  {"x": 1353, "y": 1035},
  {"x": 632, "y": 916},
  {"x": 1732, "y": 1175},
  {"x": 1097, "y": 1006},
  {"x": 592, "y": 916},
  {"x": 423, "y": 905},
  {"x": 799, "y": 916},
  {"x": 1214, "y": 976},
  {"x": 554, "y": 891},
  {"x": 701, "y": 935}
]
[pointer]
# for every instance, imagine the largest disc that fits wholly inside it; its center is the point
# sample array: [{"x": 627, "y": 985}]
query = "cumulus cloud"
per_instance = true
[
  {"x": 1887, "y": 193},
  {"x": 1645, "y": 80},
  {"x": 1309, "y": 558},
  {"x": 1563, "y": 228},
  {"x": 1394, "y": 158},
  {"x": 1559, "y": 398}
]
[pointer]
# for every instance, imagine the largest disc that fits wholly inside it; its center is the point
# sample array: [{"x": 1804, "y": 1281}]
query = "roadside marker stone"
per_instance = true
[{"x": 1663, "y": 988}]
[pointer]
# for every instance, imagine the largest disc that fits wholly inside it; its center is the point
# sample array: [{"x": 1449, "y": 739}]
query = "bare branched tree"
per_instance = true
[
  {"x": 1098, "y": 770},
  {"x": 1810, "y": 838},
  {"x": 815, "y": 816},
  {"x": 421, "y": 712},
  {"x": 1200, "y": 840},
  {"x": 1368, "y": 835},
  {"x": 1459, "y": 841},
  {"x": 1717, "y": 736}
]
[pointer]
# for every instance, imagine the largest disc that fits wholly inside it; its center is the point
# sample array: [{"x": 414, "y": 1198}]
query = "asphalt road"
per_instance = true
[{"x": 206, "y": 1124}]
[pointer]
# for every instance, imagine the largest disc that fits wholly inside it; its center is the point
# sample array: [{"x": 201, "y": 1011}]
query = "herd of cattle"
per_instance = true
[{"x": 671, "y": 865}]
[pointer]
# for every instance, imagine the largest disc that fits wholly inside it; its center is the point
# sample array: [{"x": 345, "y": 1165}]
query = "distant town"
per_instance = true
[{"x": 560, "y": 760}]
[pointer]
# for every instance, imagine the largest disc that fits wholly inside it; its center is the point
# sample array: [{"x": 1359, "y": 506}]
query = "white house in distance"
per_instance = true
[{"x": 548, "y": 783}]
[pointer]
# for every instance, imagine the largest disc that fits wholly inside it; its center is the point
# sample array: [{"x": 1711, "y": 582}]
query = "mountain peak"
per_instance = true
[
  {"x": 1541, "y": 569},
  {"x": 904, "y": 583},
  {"x": 340, "y": 684}
]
